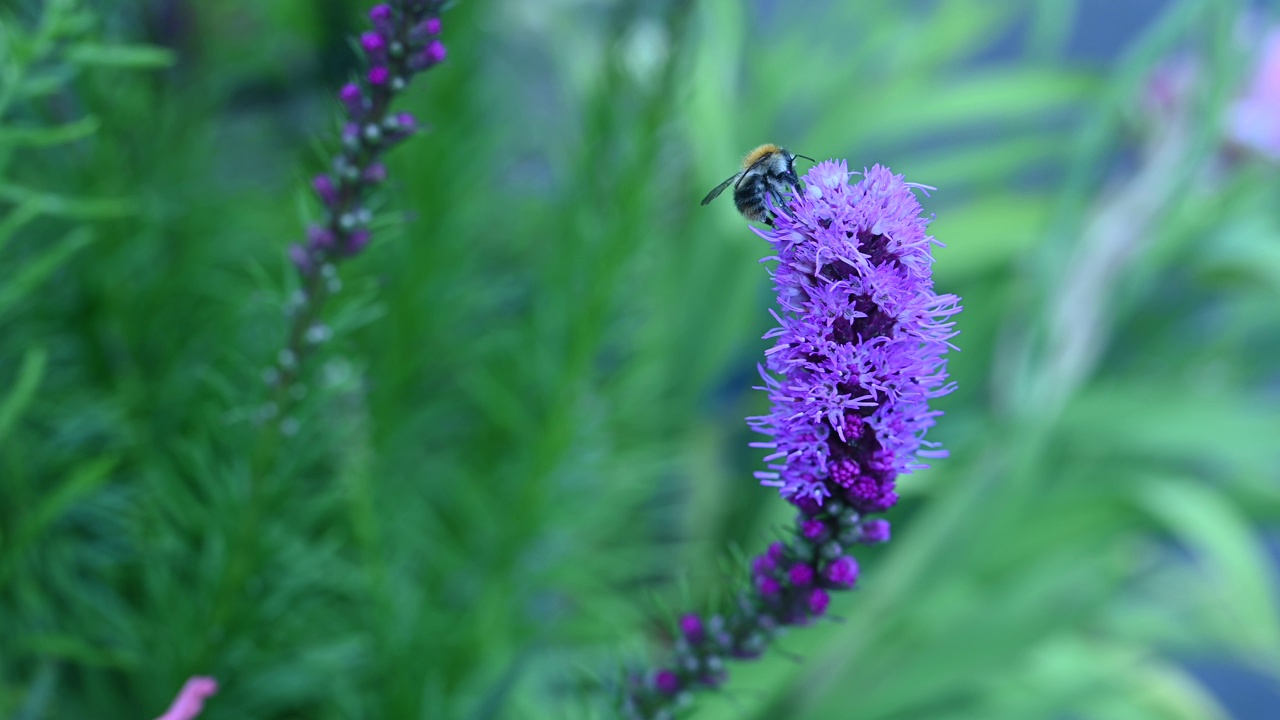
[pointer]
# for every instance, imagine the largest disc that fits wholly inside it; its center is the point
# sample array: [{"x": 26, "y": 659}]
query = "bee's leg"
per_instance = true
[
  {"x": 794, "y": 181},
  {"x": 780, "y": 202}
]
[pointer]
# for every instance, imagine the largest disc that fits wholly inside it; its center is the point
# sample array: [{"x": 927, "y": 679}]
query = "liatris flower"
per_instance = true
[
  {"x": 857, "y": 357},
  {"x": 858, "y": 353},
  {"x": 190, "y": 700},
  {"x": 404, "y": 41}
]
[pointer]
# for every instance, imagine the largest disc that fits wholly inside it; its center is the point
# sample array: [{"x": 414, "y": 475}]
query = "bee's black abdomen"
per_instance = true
[{"x": 750, "y": 201}]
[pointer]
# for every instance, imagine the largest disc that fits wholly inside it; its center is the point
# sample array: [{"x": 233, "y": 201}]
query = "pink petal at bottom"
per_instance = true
[{"x": 190, "y": 700}]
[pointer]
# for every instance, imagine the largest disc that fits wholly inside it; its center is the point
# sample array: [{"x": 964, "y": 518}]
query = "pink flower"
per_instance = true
[
  {"x": 1253, "y": 121},
  {"x": 190, "y": 700}
]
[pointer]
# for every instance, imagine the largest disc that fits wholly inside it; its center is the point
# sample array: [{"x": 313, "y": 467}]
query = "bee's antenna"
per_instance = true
[{"x": 806, "y": 157}]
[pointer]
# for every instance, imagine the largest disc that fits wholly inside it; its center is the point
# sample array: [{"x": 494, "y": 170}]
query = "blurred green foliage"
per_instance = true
[{"x": 524, "y": 449}]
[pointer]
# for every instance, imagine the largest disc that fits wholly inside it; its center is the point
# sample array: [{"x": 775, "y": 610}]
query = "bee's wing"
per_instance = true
[{"x": 715, "y": 192}]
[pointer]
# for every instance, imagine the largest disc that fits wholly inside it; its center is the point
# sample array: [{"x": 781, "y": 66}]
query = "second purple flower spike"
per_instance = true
[{"x": 405, "y": 40}]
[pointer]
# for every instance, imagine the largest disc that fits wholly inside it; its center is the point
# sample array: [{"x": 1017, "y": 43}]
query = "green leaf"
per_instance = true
[
  {"x": 1241, "y": 579},
  {"x": 122, "y": 56},
  {"x": 1248, "y": 249},
  {"x": 1051, "y": 27},
  {"x": 1148, "y": 420},
  {"x": 23, "y": 390},
  {"x": 17, "y": 217},
  {"x": 44, "y": 82},
  {"x": 35, "y": 272},
  {"x": 1165, "y": 691},
  {"x": 1097, "y": 678},
  {"x": 956, "y": 29},
  {"x": 46, "y": 136},
  {"x": 987, "y": 234},
  {"x": 988, "y": 98},
  {"x": 77, "y": 650},
  {"x": 75, "y": 208},
  {"x": 987, "y": 162},
  {"x": 498, "y": 400},
  {"x": 84, "y": 479}
]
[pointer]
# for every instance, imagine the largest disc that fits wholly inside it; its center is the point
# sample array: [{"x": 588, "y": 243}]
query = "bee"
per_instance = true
[{"x": 767, "y": 171}]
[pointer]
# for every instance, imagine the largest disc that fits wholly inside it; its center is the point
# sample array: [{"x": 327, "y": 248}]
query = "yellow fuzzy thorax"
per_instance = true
[{"x": 754, "y": 156}]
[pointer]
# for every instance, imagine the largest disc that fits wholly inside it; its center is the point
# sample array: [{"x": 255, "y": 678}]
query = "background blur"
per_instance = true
[{"x": 524, "y": 449}]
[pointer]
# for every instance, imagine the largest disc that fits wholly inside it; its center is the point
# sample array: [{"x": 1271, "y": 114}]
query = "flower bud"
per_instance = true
[{"x": 843, "y": 573}]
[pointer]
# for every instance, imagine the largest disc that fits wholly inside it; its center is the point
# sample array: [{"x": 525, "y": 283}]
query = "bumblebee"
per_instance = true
[{"x": 767, "y": 171}]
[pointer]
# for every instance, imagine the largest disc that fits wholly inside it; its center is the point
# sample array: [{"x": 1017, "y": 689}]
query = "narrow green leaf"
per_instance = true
[
  {"x": 17, "y": 217},
  {"x": 35, "y": 272},
  {"x": 959, "y": 28},
  {"x": 1249, "y": 249},
  {"x": 24, "y": 389},
  {"x": 499, "y": 401},
  {"x": 1241, "y": 577},
  {"x": 77, "y": 650},
  {"x": 987, "y": 162},
  {"x": 66, "y": 19},
  {"x": 125, "y": 56},
  {"x": 1052, "y": 24},
  {"x": 84, "y": 479},
  {"x": 1166, "y": 691},
  {"x": 988, "y": 233},
  {"x": 1144, "y": 419},
  {"x": 46, "y": 136},
  {"x": 44, "y": 82},
  {"x": 1096, "y": 677},
  {"x": 995, "y": 97},
  {"x": 42, "y": 692},
  {"x": 75, "y": 208}
]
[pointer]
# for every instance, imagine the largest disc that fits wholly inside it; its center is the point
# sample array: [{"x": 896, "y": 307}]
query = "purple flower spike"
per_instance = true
[
  {"x": 433, "y": 26},
  {"x": 370, "y": 127},
  {"x": 857, "y": 357},
  {"x": 862, "y": 336},
  {"x": 667, "y": 682},
  {"x": 843, "y": 573},
  {"x": 691, "y": 626}
]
